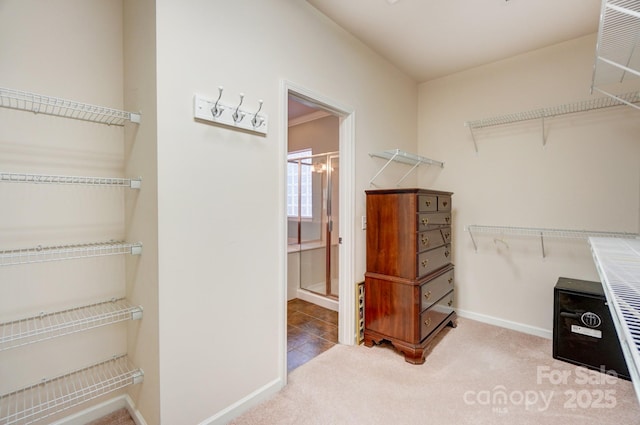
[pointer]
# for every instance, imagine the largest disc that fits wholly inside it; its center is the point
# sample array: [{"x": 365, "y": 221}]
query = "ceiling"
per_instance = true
[{"x": 428, "y": 39}]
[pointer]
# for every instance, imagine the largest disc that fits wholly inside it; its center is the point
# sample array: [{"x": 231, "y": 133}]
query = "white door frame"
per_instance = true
[{"x": 346, "y": 230}]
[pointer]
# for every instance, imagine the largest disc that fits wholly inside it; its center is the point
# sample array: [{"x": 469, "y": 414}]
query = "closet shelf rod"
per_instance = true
[
  {"x": 52, "y": 325},
  {"x": 133, "y": 183},
  {"x": 542, "y": 233},
  {"x": 42, "y": 254},
  {"x": 49, "y": 105},
  {"x": 51, "y": 396},
  {"x": 397, "y": 155},
  {"x": 631, "y": 98}
]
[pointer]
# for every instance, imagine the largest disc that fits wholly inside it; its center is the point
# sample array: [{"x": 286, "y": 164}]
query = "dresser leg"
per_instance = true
[{"x": 454, "y": 320}]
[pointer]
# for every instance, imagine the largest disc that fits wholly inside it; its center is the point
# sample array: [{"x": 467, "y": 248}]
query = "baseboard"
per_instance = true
[
  {"x": 520, "y": 327},
  {"x": 318, "y": 300},
  {"x": 94, "y": 412},
  {"x": 134, "y": 412},
  {"x": 103, "y": 409},
  {"x": 244, "y": 404}
]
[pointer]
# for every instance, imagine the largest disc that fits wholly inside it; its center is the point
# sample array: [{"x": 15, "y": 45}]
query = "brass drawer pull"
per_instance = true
[
  {"x": 450, "y": 280},
  {"x": 427, "y": 322},
  {"x": 450, "y": 303},
  {"x": 425, "y": 240},
  {"x": 444, "y": 203},
  {"x": 424, "y": 220},
  {"x": 446, "y": 253},
  {"x": 447, "y": 219},
  {"x": 428, "y": 203},
  {"x": 425, "y": 262},
  {"x": 427, "y": 295},
  {"x": 447, "y": 235}
]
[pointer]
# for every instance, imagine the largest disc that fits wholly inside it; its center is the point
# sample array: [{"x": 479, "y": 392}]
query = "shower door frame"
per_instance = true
[{"x": 326, "y": 219}]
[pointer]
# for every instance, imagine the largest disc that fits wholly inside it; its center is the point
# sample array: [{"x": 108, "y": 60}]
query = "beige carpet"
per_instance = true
[{"x": 476, "y": 374}]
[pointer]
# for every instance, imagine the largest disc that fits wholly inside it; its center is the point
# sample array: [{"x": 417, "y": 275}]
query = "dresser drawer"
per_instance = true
[
  {"x": 433, "y": 317},
  {"x": 430, "y": 239},
  {"x": 444, "y": 203},
  {"x": 428, "y": 203},
  {"x": 446, "y": 234},
  {"x": 435, "y": 289},
  {"x": 433, "y": 220},
  {"x": 432, "y": 260}
]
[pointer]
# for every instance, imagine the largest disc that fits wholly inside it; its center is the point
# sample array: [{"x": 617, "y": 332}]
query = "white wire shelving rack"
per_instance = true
[
  {"x": 632, "y": 98},
  {"x": 49, "y": 105},
  {"x": 397, "y": 155},
  {"x": 618, "y": 264},
  {"x": 42, "y": 254},
  {"x": 618, "y": 47},
  {"x": 52, "y": 325},
  {"x": 133, "y": 183},
  {"x": 52, "y": 396},
  {"x": 543, "y": 233}
]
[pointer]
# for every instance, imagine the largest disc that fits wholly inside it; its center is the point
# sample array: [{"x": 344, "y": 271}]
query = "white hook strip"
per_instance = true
[{"x": 219, "y": 112}]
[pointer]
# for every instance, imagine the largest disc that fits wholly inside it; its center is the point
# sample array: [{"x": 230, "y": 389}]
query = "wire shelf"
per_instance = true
[
  {"x": 542, "y": 233},
  {"x": 618, "y": 264},
  {"x": 70, "y": 180},
  {"x": 41, "y": 104},
  {"x": 618, "y": 46},
  {"x": 632, "y": 98},
  {"x": 46, "y": 326},
  {"x": 41, "y": 254},
  {"x": 39, "y": 401},
  {"x": 396, "y": 155}
]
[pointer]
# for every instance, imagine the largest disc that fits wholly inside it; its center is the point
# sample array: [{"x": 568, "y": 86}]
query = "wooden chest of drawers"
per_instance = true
[{"x": 409, "y": 278}]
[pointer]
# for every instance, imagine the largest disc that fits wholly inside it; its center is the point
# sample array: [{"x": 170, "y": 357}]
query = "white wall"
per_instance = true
[
  {"x": 70, "y": 49},
  {"x": 222, "y": 240},
  {"x": 586, "y": 177},
  {"x": 142, "y": 207}
]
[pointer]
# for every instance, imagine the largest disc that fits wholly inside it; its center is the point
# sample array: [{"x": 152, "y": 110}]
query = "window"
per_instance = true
[{"x": 299, "y": 172}]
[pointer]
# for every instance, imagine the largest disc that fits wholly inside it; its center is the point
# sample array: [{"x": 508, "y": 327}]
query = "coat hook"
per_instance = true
[
  {"x": 217, "y": 111},
  {"x": 257, "y": 121},
  {"x": 238, "y": 114}
]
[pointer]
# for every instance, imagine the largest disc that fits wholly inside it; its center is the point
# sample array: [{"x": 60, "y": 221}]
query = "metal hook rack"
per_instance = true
[
  {"x": 218, "y": 112},
  {"x": 49, "y": 105},
  {"x": 396, "y": 155},
  {"x": 542, "y": 233}
]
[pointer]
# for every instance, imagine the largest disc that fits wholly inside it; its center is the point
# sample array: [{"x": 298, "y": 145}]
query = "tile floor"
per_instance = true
[{"x": 311, "y": 330}]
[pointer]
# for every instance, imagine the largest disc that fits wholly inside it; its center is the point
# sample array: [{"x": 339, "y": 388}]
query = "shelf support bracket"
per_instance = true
[
  {"x": 542, "y": 245},
  {"x": 544, "y": 137},
  {"x": 383, "y": 168},
  {"x": 407, "y": 174},
  {"x": 473, "y": 137},
  {"x": 475, "y": 247}
]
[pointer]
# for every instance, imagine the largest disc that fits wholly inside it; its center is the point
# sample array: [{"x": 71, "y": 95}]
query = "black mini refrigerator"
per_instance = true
[{"x": 583, "y": 331}]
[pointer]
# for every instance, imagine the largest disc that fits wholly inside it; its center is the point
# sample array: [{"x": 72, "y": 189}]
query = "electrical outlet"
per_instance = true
[{"x": 364, "y": 222}]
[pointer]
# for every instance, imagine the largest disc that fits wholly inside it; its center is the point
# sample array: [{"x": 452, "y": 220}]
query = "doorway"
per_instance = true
[{"x": 334, "y": 174}]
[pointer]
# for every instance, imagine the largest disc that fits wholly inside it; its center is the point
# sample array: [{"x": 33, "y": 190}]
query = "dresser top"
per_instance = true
[{"x": 406, "y": 190}]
